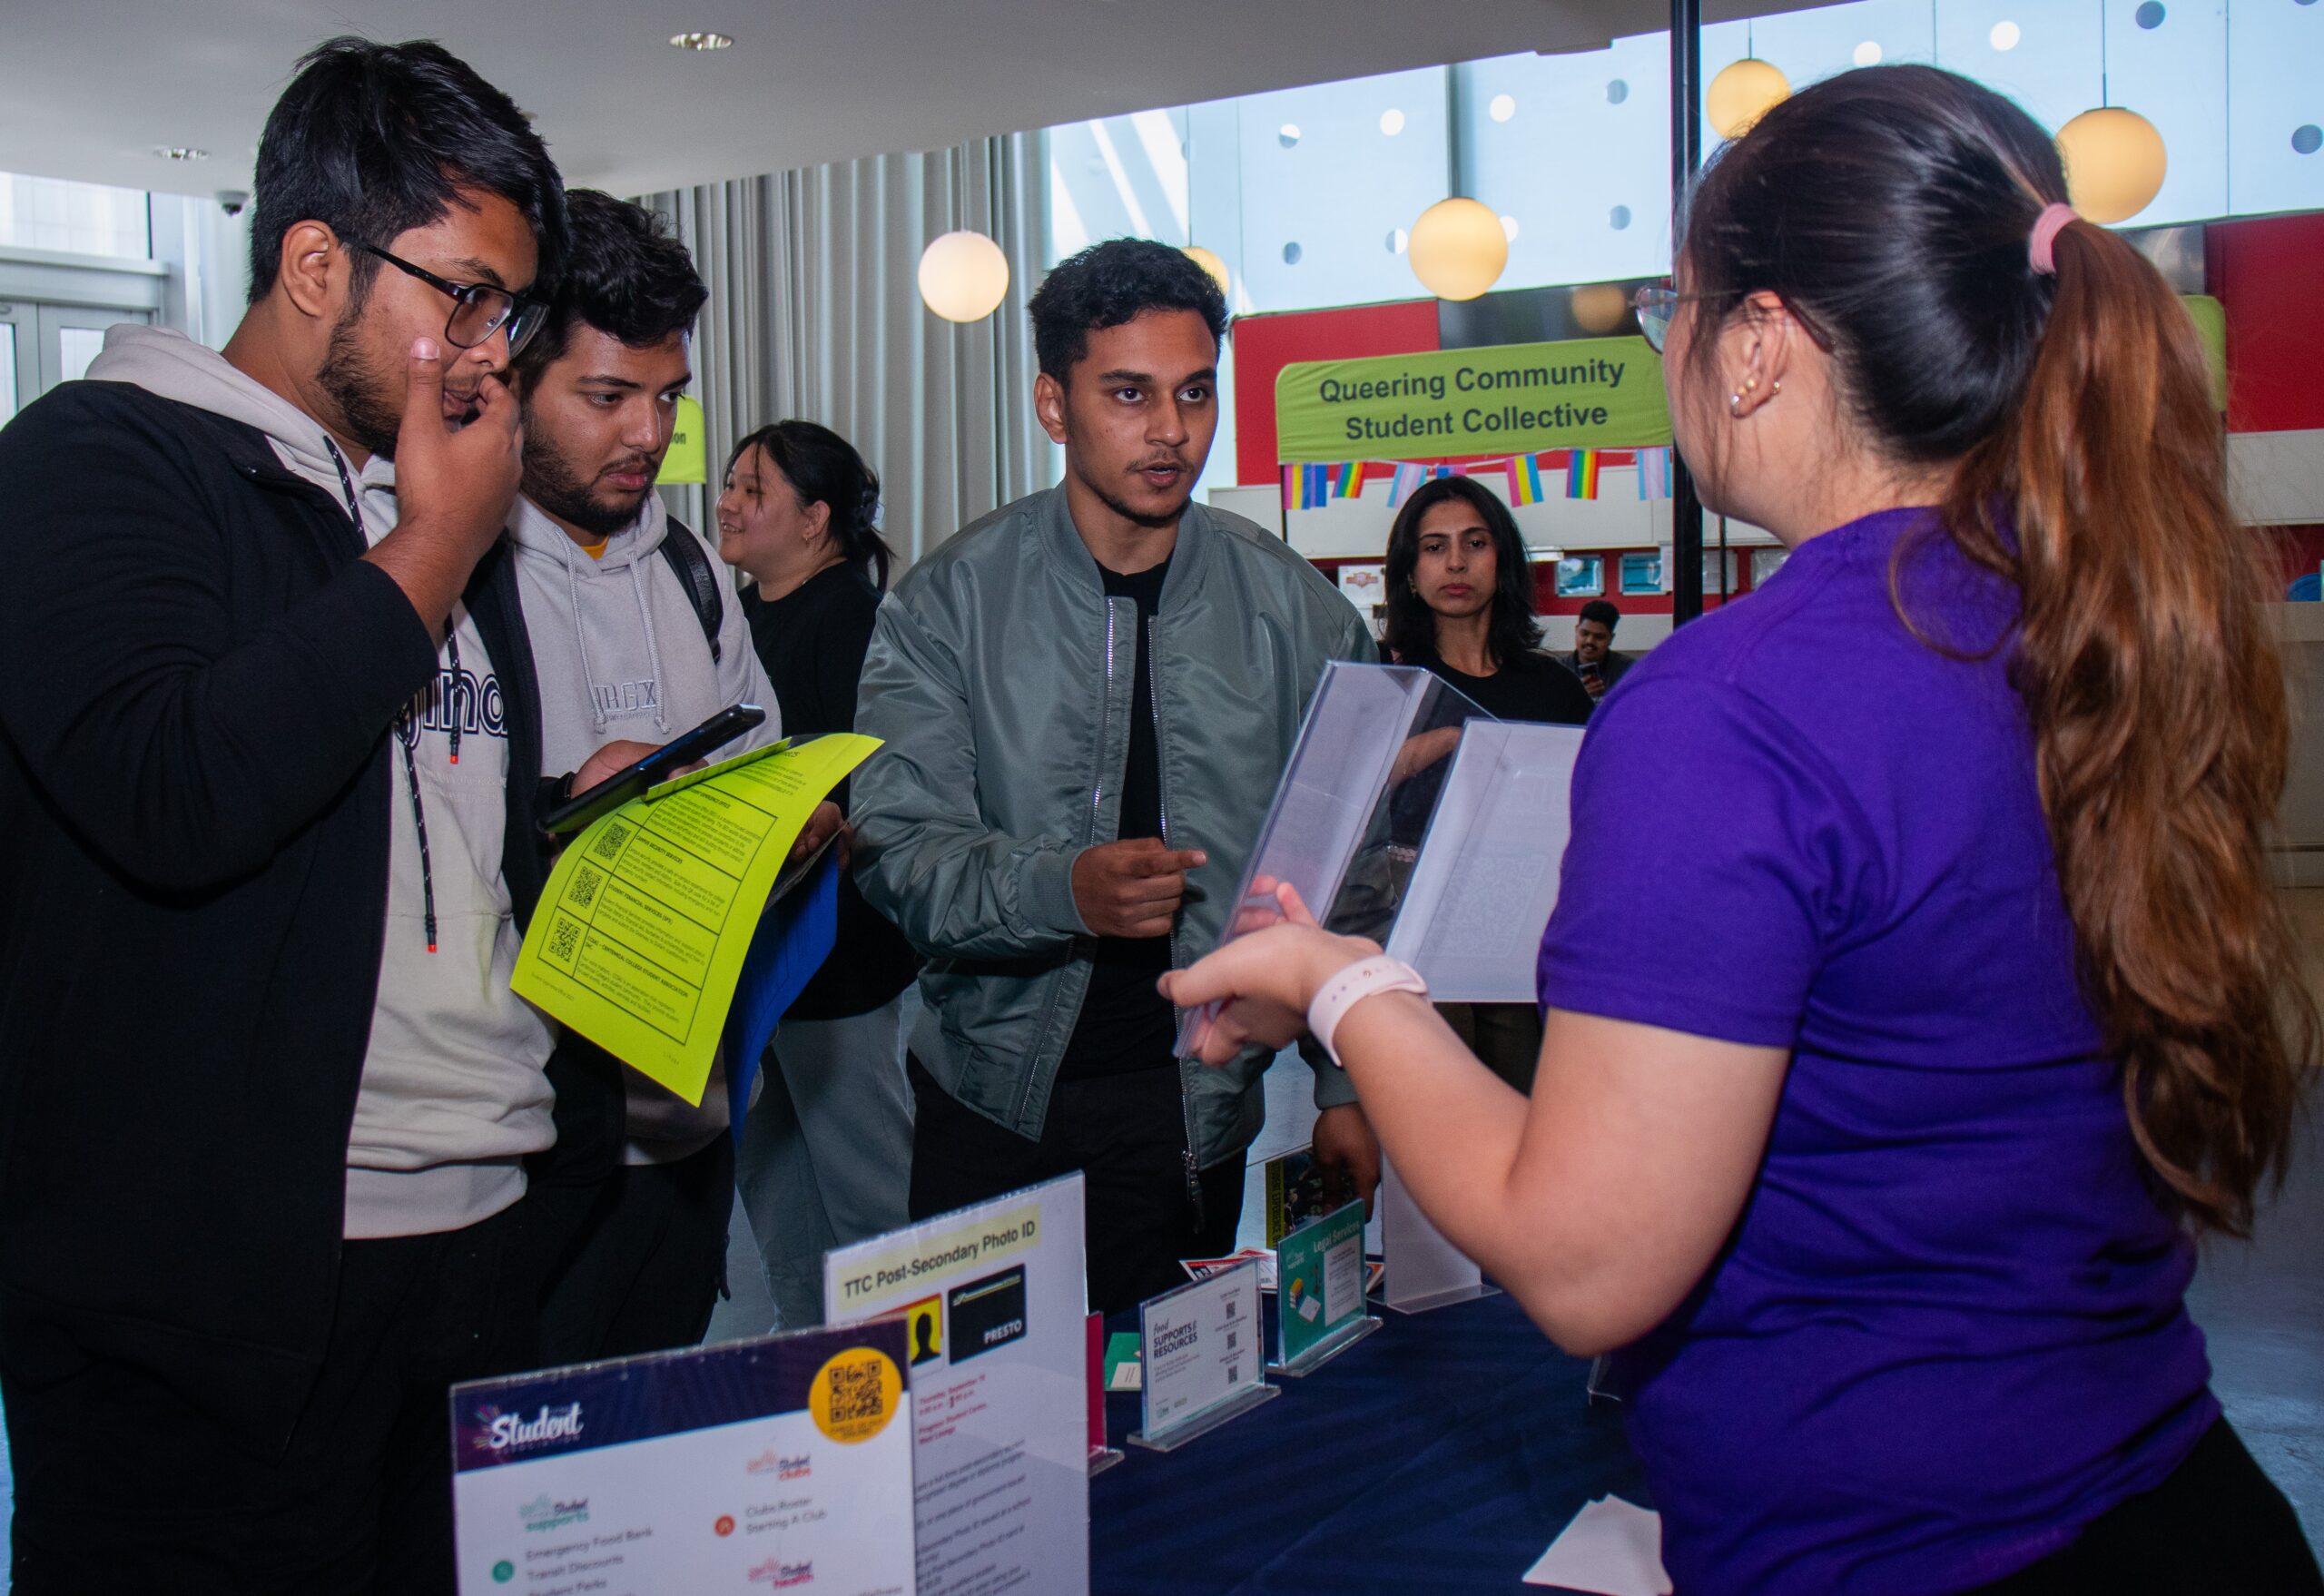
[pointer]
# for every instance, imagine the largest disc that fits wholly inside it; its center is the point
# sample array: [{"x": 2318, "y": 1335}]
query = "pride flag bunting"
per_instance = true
[
  {"x": 1581, "y": 473},
  {"x": 1654, "y": 473}
]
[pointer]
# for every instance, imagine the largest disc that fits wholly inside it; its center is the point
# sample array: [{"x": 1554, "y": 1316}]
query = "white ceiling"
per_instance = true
[{"x": 89, "y": 88}]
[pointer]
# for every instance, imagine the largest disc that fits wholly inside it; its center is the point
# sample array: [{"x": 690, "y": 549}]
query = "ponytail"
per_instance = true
[
  {"x": 1910, "y": 219},
  {"x": 2160, "y": 718},
  {"x": 823, "y": 467}
]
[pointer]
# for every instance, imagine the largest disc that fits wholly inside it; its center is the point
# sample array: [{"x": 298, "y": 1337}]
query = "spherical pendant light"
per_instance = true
[
  {"x": 1211, "y": 263},
  {"x": 1742, "y": 92},
  {"x": 2115, "y": 162},
  {"x": 1458, "y": 249},
  {"x": 963, "y": 276}
]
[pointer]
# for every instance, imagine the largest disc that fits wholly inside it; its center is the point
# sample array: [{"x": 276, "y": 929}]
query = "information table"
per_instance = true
[{"x": 1443, "y": 1455}]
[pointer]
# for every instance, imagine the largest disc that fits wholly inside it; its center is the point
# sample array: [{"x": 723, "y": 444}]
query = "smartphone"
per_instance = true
[{"x": 664, "y": 762}]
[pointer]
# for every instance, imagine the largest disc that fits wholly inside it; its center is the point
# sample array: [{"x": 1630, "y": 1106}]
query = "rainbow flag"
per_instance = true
[
  {"x": 1654, "y": 473},
  {"x": 1525, "y": 480},
  {"x": 1306, "y": 488},
  {"x": 1581, "y": 473},
  {"x": 1351, "y": 479}
]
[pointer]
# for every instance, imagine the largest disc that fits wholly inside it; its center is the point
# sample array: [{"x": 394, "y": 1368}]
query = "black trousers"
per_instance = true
[
  {"x": 1127, "y": 1134},
  {"x": 121, "y": 1485},
  {"x": 642, "y": 1259},
  {"x": 2217, "y": 1527}
]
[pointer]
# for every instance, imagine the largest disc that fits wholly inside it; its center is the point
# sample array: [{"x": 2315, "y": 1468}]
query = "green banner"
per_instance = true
[
  {"x": 688, "y": 460},
  {"x": 1513, "y": 398}
]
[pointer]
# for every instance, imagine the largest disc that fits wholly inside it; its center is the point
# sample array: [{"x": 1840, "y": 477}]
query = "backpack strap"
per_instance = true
[{"x": 686, "y": 558}]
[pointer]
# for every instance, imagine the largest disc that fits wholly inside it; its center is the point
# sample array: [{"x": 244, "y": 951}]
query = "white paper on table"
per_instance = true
[
  {"x": 1486, "y": 878},
  {"x": 1612, "y": 1547}
]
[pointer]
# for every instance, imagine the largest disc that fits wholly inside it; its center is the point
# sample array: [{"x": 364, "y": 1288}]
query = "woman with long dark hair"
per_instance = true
[
  {"x": 826, "y": 1152},
  {"x": 1916, "y": 992},
  {"x": 1461, "y": 605}
]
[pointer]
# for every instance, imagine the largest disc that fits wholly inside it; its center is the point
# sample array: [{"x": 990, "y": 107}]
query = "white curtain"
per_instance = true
[{"x": 815, "y": 313}]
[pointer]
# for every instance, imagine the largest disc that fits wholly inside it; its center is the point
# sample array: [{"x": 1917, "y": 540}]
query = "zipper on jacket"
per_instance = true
[
  {"x": 1097, "y": 804},
  {"x": 1162, "y": 811}
]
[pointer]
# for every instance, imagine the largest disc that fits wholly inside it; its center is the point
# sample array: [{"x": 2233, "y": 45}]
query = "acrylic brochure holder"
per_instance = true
[
  {"x": 1424, "y": 1270},
  {"x": 1204, "y": 1360},
  {"x": 1319, "y": 1292},
  {"x": 1353, "y": 803},
  {"x": 1480, "y": 894}
]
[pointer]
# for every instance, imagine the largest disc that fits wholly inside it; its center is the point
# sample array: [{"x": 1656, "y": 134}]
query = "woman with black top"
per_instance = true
[
  {"x": 826, "y": 1152},
  {"x": 1461, "y": 605}
]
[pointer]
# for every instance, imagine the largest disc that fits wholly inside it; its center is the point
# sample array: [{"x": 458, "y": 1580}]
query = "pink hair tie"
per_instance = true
[{"x": 2046, "y": 227}]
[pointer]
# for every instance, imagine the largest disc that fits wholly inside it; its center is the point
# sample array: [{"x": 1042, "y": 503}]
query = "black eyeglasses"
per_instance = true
[{"x": 478, "y": 308}]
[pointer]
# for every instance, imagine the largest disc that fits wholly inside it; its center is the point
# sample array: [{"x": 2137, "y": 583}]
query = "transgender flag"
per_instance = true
[{"x": 1654, "y": 473}]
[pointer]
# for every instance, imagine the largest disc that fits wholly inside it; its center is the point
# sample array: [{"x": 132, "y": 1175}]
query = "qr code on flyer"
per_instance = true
[
  {"x": 583, "y": 891},
  {"x": 564, "y": 939},
  {"x": 857, "y": 1392},
  {"x": 609, "y": 844}
]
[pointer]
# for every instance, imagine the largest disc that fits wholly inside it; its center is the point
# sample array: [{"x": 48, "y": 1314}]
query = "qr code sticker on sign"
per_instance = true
[
  {"x": 857, "y": 1392},
  {"x": 609, "y": 844},
  {"x": 563, "y": 938},
  {"x": 583, "y": 891}
]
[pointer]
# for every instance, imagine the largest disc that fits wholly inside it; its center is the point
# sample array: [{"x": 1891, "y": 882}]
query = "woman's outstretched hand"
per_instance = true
[{"x": 1255, "y": 992}]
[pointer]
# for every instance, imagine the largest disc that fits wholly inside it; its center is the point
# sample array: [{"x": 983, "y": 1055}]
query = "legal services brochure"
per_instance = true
[
  {"x": 996, "y": 1321},
  {"x": 780, "y": 1463}
]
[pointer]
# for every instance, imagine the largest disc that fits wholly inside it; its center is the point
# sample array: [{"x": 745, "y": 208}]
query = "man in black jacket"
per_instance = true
[{"x": 267, "y": 783}]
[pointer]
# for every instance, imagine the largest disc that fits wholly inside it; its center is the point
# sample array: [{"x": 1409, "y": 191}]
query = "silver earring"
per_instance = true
[{"x": 1735, "y": 404}]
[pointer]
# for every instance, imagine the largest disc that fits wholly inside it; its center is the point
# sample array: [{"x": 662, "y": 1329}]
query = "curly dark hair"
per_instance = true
[
  {"x": 1601, "y": 611},
  {"x": 1410, "y": 632},
  {"x": 375, "y": 140},
  {"x": 627, "y": 276},
  {"x": 1109, "y": 284}
]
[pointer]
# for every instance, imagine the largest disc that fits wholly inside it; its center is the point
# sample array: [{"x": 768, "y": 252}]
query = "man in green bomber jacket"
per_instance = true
[{"x": 1086, "y": 699}]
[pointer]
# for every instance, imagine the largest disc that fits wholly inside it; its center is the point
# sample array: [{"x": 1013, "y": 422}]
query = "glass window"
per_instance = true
[
  {"x": 7, "y": 371},
  {"x": 1582, "y": 576},
  {"x": 1642, "y": 573},
  {"x": 1711, "y": 587},
  {"x": 76, "y": 218},
  {"x": 1765, "y": 563}
]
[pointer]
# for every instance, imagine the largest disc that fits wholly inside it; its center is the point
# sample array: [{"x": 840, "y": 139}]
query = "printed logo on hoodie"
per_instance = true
[
  {"x": 474, "y": 703},
  {"x": 620, "y": 698}
]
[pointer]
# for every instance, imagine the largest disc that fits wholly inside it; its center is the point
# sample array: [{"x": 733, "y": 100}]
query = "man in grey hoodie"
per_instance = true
[
  {"x": 636, "y": 633},
  {"x": 267, "y": 790}
]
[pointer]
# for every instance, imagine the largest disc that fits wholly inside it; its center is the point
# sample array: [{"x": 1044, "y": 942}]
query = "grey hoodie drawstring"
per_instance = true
[
  {"x": 411, "y": 769},
  {"x": 581, "y": 637},
  {"x": 652, "y": 647}
]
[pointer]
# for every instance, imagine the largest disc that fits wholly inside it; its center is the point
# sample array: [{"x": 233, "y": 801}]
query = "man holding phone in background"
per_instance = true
[
  {"x": 636, "y": 633},
  {"x": 267, "y": 830}
]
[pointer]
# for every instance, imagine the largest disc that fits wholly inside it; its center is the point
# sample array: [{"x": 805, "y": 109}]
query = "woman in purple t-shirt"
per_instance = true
[{"x": 1916, "y": 991}]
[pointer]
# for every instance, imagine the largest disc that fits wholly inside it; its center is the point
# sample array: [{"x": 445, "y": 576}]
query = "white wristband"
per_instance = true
[{"x": 1351, "y": 986}]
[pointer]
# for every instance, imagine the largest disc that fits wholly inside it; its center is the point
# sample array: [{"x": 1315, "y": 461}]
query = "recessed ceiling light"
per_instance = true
[
  {"x": 703, "y": 40},
  {"x": 1392, "y": 121},
  {"x": 1868, "y": 53},
  {"x": 181, "y": 152},
  {"x": 2005, "y": 36}
]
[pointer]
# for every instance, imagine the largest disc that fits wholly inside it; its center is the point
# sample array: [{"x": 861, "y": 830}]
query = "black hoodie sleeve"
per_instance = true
[{"x": 193, "y": 660}]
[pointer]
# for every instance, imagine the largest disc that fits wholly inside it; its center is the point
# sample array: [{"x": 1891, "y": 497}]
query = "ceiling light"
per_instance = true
[
  {"x": 1502, "y": 108},
  {"x": 2115, "y": 162},
  {"x": 1600, "y": 307},
  {"x": 1209, "y": 262},
  {"x": 1509, "y": 228},
  {"x": 963, "y": 276},
  {"x": 181, "y": 152},
  {"x": 2005, "y": 36},
  {"x": 1742, "y": 92},
  {"x": 1458, "y": 249},
  {"x": 1287, "y": 134},
  {"x": 701, "y": 41},
  {"x": 1392, "y": 121},
  {"x": 1868, "y": 53}
]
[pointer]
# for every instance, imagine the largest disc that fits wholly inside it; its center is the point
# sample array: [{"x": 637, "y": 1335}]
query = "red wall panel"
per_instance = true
[
  {"x": 2264, "y": 272},
  {"x": 1265, "y": 345}
]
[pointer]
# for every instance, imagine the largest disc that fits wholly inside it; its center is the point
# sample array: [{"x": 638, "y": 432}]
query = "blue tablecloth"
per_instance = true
[{"x": 1443, "y": 1455}]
